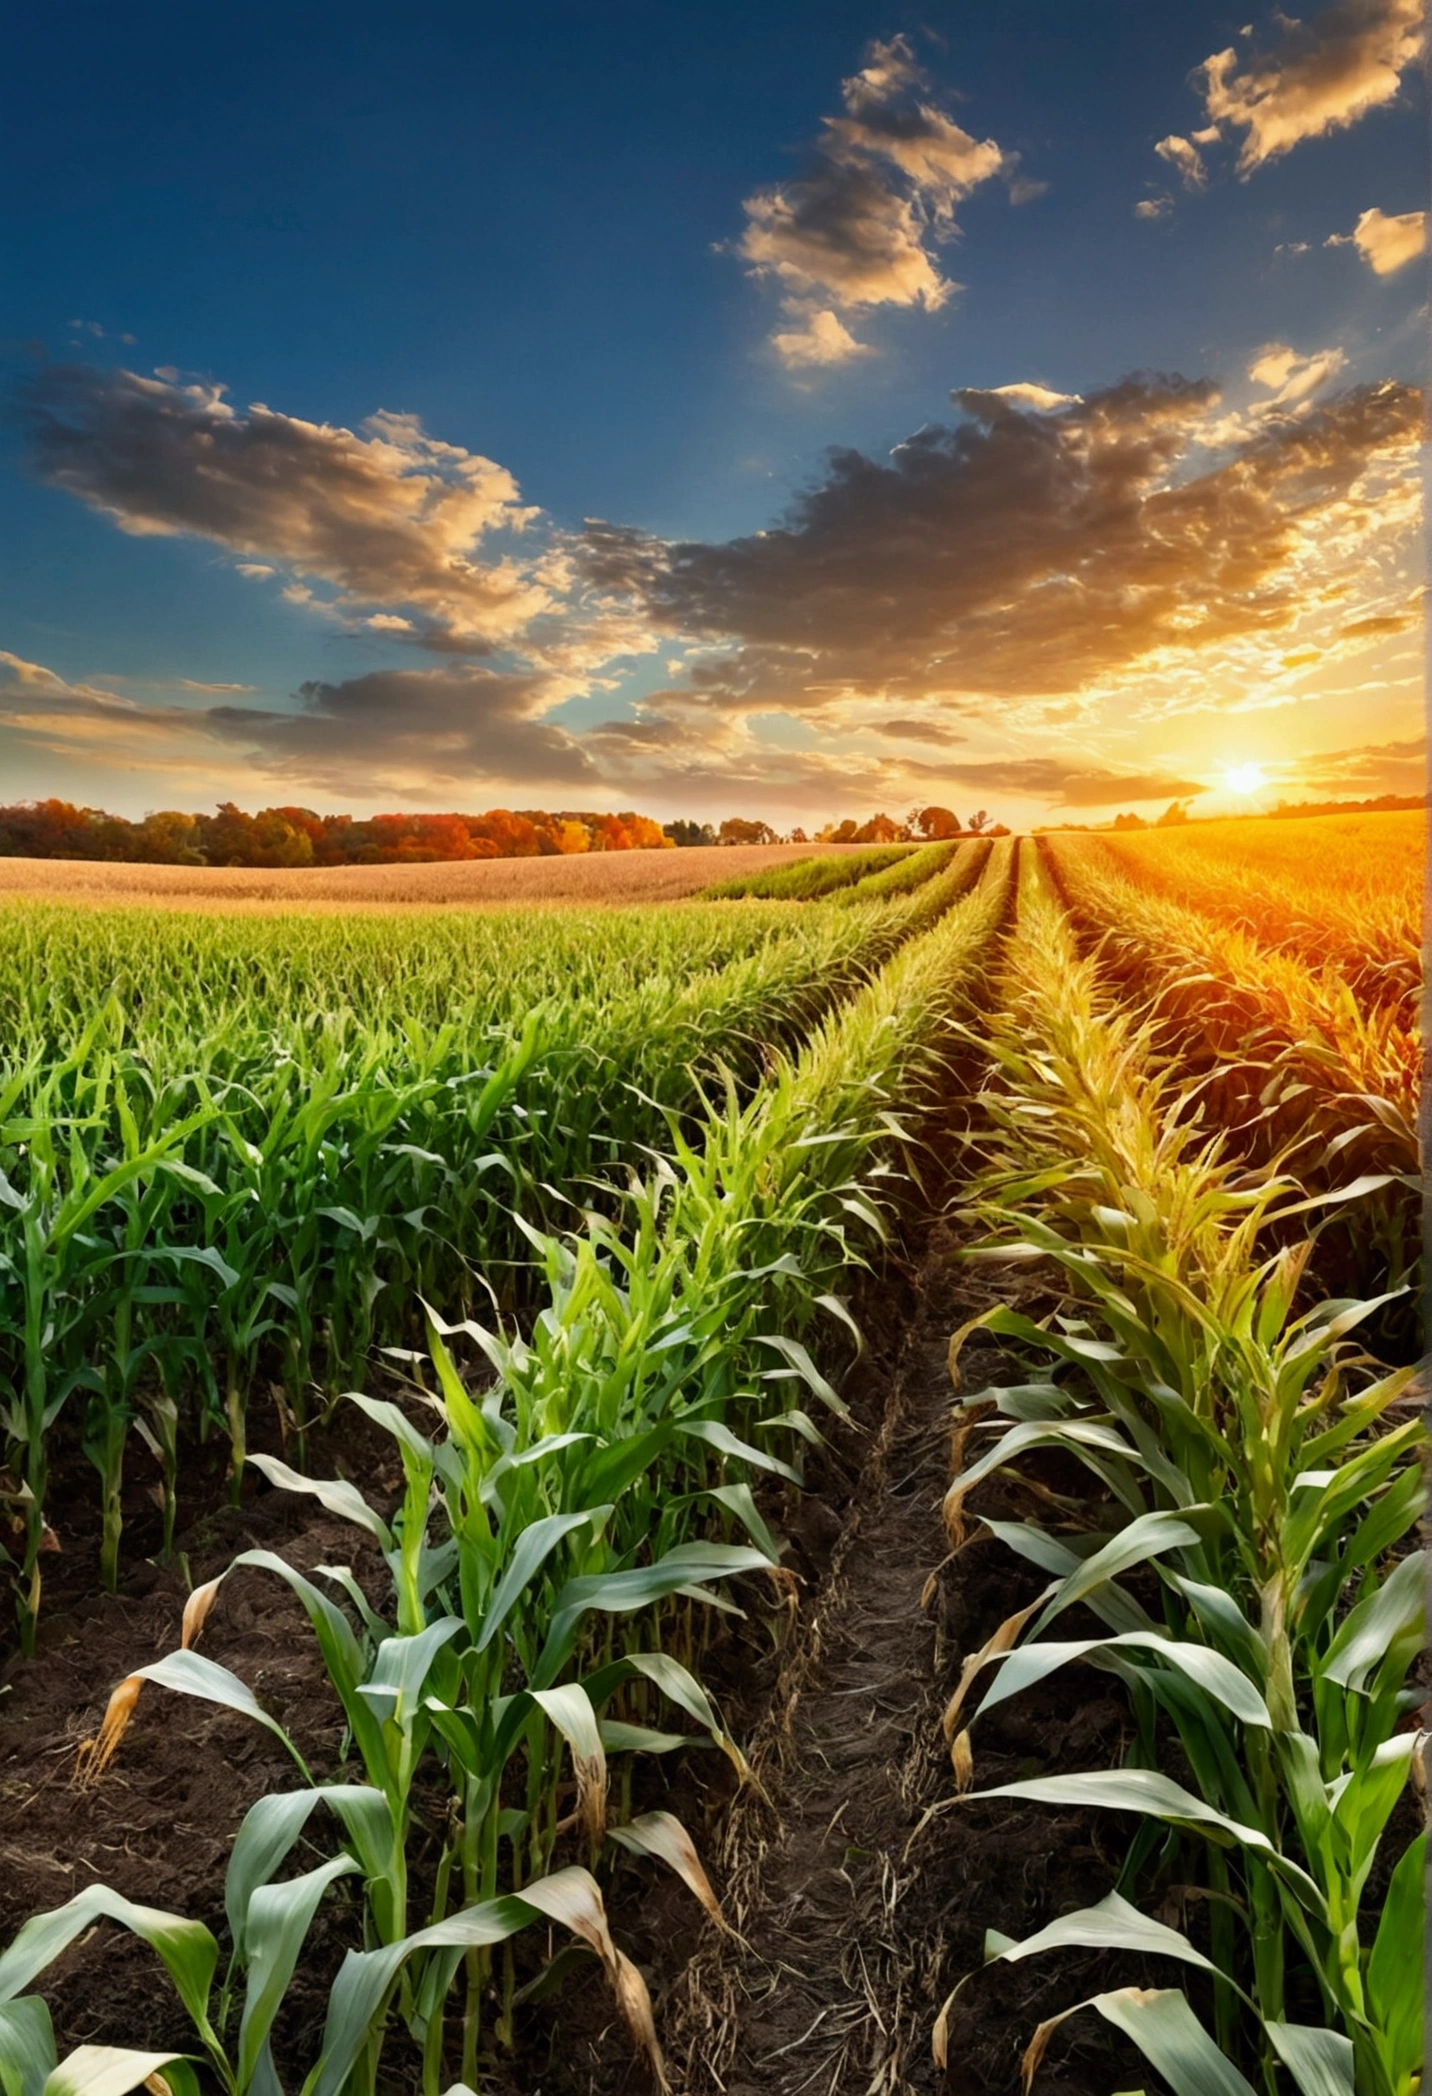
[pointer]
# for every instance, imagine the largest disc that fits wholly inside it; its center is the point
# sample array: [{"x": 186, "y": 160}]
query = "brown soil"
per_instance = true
[
  {"x": 585, "y": 878},
  {"x": 862, "y": 1888},
  {"x": 158, "y": 1824},
  {"x": 859, "y": 1914}
]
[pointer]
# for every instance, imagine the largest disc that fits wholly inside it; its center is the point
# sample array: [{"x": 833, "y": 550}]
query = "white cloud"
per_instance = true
[
  {"x": 1042, "y": 399},
  {"x": 1158, "y": 206}
]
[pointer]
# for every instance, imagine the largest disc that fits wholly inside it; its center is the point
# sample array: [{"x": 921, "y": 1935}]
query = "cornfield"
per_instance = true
[{"x": 578, "y": 1221}]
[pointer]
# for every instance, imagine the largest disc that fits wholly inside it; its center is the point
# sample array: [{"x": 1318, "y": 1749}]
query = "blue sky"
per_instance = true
[{"x": 652, "y": 266}]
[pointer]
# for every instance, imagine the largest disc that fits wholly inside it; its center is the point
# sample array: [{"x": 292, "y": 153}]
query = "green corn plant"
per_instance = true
[
  {"x": 911, "y": 871},
  {"x": 805, "y": 880},
  {"x": 319, "y": 1174},
  {"x": 268, "y": 1923},
  {"x": 575, "y": 1494},
  {"x": 1245, "y": 1454},
  {"x": 56, "y": 1266},
  {"x": 508, "y": 1586}
]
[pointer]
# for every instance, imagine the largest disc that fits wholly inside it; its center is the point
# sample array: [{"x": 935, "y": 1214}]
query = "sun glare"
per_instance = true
[{"x": 1245, "y": 778}]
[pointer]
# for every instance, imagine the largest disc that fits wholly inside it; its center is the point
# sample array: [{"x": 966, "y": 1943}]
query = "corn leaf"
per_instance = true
[
  {"x": 104, "y": 2070},
  {"x": 27, "y": 2046}
]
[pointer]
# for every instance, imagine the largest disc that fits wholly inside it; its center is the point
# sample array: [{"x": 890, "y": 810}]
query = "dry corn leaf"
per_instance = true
[
  {"x": 662, "y": 1835},
  {"x": 1001, "y": 1640},
  {"x": 96, "y": 1754},
  {"x": 196, "y": 1612}
]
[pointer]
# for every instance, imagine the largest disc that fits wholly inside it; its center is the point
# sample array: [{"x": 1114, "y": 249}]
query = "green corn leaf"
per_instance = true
[
  {"x": 340, "y": 1497},
  {"x": 396, "y": 1422},
  {"x": 401, "y": 1666},
  {"x": 739, "y": 1500},
  {"x": 1171, "y": 2039},
  {"x": 342, "y": 1654},
  {"x": 356, "y": 2000},
  {"x": 619, "y": 1593},
  {"x": 269, "y": 1830},
  {"x": 1111, "y": 1925},
  {"x": 618, "y": 1737},
  {"x": 276, "y": 1923},
  {"x": 187, "y": 1949},
  {"x": 1209, "y": 1670},
  {"x": 272, "y": 1826},
  {"x": 1147, "y": 1791},
  {"x": 190, "y": 1674},
  {"x": 1320, "y": 2061},
  {"x": 799, "y": 1359},
  {"x": 1147, "y": 1536},
  {"x": 679, "y": 1686},
  {"x": 719, "y": 1436},
  {"x": 530, "y": 1552},
  {"x": 1389, "y": 1619},
  {"x": 1395, "y": 1969},
  {"x": 27, "y": 2046}
]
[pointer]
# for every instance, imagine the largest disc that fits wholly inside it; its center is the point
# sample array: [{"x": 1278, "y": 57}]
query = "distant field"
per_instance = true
[{"x": 597, "y": 877}]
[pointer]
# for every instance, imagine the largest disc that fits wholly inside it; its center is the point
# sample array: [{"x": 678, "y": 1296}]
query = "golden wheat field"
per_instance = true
[{"x": 589, "y": 877}]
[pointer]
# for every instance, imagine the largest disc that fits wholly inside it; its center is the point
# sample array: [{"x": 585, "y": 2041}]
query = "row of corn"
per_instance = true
[
  {"x": 189, "y": 1214},
  {"x": 1240, "y": 1558},
  {"x": 1347, "y": 898},
  {"x": 563, "y": 1537}
]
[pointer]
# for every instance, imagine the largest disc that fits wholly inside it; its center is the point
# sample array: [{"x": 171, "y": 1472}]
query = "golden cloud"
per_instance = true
[
  {"x": 1317, "y": 77},
  {"x": 387, "y": 517},
  {"x": 859, "y": 227},
  {"x": 1386, "y": 242},
  {"x": 1025, "y": 555}
]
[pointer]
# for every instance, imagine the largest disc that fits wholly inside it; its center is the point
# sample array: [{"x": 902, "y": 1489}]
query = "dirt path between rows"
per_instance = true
[{"x": 839, "y": 1987}]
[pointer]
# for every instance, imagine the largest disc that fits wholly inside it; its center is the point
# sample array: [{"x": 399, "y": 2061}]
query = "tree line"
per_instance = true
[{"x": 290, "y": 836}]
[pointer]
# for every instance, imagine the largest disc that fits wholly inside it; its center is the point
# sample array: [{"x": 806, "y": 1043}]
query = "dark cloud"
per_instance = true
[
  {"x": 394, "y": 729},
  {"x": 1021, "y": 553},
  {"x": 917, "y": 731},
  {"x": 389, "y": 517},
  {"x": 406, "y": 731},
  {"x": 1066, "y": 784}
]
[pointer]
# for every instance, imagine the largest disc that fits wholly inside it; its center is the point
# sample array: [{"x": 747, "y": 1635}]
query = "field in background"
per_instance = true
[
  {"x": 589, "y": 877},
  {"x": 582, "y": 1204}
]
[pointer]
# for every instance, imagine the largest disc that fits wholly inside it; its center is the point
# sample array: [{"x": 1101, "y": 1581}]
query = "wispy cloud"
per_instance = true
[
  {"x": 420, "y": 733},
  {"x": 389, "y": 516},
  {"x": 1313, "y": 78},
  {"x": 1184, "y": 157},
  {"x": 1292, "y": 377},
  {"x": 861, "y": 226},
  {"x": 1367, "y": 769}
]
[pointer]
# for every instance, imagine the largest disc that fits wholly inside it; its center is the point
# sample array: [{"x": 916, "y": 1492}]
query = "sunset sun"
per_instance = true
[{"x": 1245, "y": 778}]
